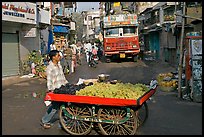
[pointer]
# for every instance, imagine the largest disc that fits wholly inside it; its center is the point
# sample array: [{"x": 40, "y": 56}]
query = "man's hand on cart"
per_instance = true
[{"x": 48, "y": 91}]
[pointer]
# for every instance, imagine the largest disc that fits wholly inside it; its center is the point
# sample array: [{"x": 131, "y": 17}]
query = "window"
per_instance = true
[
  {"x": 89, "y": 18},
  {"x": 129, "y": 31},
  {"x": 112, "y": 32}
]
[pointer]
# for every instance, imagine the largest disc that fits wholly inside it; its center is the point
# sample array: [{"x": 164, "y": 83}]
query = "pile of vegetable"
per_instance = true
[
  {"x": 167, "y": 82},
  {"x": 118, "y": 90}
]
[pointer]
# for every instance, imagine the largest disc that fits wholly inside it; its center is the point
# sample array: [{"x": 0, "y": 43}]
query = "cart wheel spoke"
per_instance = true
[
  {"x": 110, "y": 129},
  {"x": 74, "y": 126},
  {"x": 123, "y": 130},
  {"x": 129, "y": 127}
]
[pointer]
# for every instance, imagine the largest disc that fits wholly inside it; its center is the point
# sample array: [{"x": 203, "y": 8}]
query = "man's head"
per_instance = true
[{"x": 54, "y": 55}]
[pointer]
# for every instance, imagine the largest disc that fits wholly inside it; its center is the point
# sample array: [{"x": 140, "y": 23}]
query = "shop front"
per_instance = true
[{"x": 18, "y": 35}]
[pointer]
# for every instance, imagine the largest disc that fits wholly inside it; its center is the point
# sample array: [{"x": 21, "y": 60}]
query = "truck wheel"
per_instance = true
[{"x": 108, "y": 60}]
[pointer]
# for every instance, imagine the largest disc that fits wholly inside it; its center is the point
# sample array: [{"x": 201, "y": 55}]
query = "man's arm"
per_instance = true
[{"x": 50, "y": 79}]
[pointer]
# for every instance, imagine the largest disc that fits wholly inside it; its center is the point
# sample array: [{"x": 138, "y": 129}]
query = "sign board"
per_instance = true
[
  {"x": 22, "y": 12},
  {"x": 121, "y": 19},
  {"x": 196, "y": 47}
]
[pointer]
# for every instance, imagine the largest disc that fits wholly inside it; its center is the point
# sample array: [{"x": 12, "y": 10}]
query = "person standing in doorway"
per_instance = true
[{"x": 55, "y": 79}]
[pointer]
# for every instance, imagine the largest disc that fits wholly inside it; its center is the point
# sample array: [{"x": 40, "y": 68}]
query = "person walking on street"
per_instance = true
[
  {"x": 68, "y": 59},
  {"x": 55, "y": 79},
  {"x": 74, "y": 53},
  {"x": 78, "y": 54},
  {"x": 62, "y": 60},
  {"x": 100, "y": 50},
  {"x": 87, "y": 49}
]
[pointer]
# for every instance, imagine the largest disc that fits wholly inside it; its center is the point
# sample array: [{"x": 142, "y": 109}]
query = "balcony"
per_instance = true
[
  {"x": 155, "y": 19},
  {"x": 168, "y": 14}
]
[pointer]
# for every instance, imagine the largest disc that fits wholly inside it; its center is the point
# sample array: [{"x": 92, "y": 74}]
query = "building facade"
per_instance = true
[
  {"x": 26, "y": 27},
  {"x": 91, "y": 27},
  {"x": 21, "y": 25},
  {"x": 161, "y": 28}
]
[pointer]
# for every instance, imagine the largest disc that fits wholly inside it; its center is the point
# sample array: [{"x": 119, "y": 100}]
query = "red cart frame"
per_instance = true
[
  {"x": 78, "y": 113},
  {"x": 99, "y": 100}
]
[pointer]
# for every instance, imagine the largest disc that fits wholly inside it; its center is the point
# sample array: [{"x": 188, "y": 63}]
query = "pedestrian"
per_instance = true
[
  {"x": 74, "y": 53},
  {"x": 33, "y": 68},
  {"x": 78, "y": 54},
  {"x": 61, "y": 52},
  {"x": 94, "y": 51},
  {"x": 68, "y": 59},
  {"x": 53, "y": 46},
  {"x": 94, "y": 54},
  {"x": 55, "y": 79},
  {"x": 142, "y": 47},
  {"x": 87, "y": 49},
  {"x": 100, "y": 50},
  {"x": 82, "y": 48}
]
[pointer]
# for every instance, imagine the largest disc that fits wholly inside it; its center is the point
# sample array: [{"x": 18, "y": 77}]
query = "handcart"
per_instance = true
[{"x": 113, "y": 116}]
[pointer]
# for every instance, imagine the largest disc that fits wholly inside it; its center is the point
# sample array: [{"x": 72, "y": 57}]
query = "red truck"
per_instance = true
[{"x": 120, "y": 39}]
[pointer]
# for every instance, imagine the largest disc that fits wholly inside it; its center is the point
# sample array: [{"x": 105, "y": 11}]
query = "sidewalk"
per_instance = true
[{"x": 6, "y": 81}]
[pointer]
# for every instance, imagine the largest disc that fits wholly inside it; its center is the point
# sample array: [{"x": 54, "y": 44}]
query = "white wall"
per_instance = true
[
  {"x": 47, "y": 4},
  {"x": 28, "y": 44}
]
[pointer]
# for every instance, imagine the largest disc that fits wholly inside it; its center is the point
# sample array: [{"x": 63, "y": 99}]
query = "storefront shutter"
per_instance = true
[{"x": 10, "y": 54}]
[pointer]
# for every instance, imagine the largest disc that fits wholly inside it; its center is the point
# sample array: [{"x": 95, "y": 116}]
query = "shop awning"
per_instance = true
[{"x": 61, "y": 29}]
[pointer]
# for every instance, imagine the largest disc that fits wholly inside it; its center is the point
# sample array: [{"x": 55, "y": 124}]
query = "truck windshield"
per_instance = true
[
  {"x": 112, "y": 32},
  {"x": 129, "y": 31}
]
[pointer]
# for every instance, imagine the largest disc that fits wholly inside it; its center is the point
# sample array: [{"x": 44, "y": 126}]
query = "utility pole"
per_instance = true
[{"x": 180, "y": 68}]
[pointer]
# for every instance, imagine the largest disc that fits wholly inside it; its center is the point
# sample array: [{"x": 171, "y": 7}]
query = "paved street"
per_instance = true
[{"x": 168, "y": 115}]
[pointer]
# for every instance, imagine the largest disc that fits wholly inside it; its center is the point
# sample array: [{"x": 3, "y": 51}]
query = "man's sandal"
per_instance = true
[{"x": 45, "y": 125}]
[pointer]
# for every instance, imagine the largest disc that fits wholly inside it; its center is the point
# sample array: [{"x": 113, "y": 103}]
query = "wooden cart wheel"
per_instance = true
[
  {"x": 127, "y": 128},
  {"x": 142, "y": 114},
  {"x": 73, "y": 126}
]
